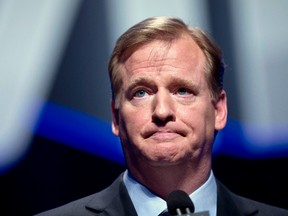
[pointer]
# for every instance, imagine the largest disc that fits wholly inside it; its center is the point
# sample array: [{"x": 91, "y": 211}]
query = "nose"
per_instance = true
[{"x": 163, "y": 108}]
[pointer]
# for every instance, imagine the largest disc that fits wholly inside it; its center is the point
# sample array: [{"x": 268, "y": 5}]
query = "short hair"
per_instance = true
[{"x": 166, "y": 29}]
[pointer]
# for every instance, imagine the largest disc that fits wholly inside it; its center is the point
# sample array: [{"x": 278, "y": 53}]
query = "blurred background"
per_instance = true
[{"x": 56, "y": 143}]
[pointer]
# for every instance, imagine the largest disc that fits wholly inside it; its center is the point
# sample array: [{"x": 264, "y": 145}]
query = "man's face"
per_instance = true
[{"x": 166, "y": 114}]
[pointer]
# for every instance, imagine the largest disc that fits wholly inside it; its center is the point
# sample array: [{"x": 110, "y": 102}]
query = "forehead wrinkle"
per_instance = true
[
  {"x": 157, "y": 65},
  {"x": 159, "y": 51}
]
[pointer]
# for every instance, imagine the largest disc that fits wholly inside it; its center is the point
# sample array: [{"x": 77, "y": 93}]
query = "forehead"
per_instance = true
[{"x": 182, "y": 53}]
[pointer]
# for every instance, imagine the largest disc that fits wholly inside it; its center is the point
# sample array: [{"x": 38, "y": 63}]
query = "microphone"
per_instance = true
[{"x": 179, "y": 203}]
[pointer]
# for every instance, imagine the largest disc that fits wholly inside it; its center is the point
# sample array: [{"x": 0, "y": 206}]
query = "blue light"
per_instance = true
[
  {"x": 80, "y": 131},
  {"x": 90, "y": 134}
]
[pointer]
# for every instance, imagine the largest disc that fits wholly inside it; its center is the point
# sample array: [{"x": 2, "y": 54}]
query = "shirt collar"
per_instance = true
[{"x": 147, "y": 203}]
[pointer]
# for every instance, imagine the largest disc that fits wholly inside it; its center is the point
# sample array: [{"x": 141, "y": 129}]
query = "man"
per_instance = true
[{"x": 168, "y": 104}]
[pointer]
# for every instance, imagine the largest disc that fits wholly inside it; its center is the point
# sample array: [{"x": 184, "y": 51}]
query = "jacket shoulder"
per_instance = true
[
  {"x": 229, "y": 203},
  {"x": 76, "y": 207},
  {"x": 113, "y": 200}
]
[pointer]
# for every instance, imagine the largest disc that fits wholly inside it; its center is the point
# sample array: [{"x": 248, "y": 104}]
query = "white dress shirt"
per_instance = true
[{"x": 147, "y": 203}]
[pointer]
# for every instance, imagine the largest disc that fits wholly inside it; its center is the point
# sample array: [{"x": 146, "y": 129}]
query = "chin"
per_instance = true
[
  {"x": 163, "y": 159},
  {"x": 165, "y": 163}
]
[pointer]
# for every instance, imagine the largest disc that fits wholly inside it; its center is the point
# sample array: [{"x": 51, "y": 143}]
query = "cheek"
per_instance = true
[
  {"x": 200, "y": 120},
  {"x": 132, "y": 120}
]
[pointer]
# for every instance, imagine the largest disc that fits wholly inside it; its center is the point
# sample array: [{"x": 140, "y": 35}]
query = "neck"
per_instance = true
[{"x": 161, "y": 180}]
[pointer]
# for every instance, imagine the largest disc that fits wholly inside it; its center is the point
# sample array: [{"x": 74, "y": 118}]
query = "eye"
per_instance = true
[
  {"x": 140, "y": 93},
  {"x": 183, "y": 91}
]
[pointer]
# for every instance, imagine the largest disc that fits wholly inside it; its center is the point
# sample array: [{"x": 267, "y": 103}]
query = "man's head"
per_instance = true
[
  {"x": 166, "y": 29},
  {"x": 168, "y": 94}
]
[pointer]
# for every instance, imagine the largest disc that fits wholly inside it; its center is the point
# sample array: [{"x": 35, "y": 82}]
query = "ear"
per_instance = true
[
  {"x": 221, "y": 111},
  {"x": 115, "y": 118}
]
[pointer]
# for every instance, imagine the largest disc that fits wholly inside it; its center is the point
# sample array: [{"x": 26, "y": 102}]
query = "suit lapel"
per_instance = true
[
  {"x": 229, "y": 203},
  {"x": 114, "y": 200}
]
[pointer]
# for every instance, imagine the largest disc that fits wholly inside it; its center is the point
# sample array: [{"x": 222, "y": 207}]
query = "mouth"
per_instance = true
[{"x": 163, "y": 134}]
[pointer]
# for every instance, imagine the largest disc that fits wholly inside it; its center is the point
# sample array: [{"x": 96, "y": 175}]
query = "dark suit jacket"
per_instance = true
[{"x": 115, "y": 201}]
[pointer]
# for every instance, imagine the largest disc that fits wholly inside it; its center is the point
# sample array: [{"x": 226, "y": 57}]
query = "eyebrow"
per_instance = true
[
  {"x": 176, "y": 82},
  {"x": 180, "y": 82},
  {"x": 140, "y": 81},
  {"x": 185, "y": 82}
]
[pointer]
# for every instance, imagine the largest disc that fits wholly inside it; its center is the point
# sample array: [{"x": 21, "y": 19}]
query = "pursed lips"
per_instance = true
[{"x": 163, "y": 134}]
